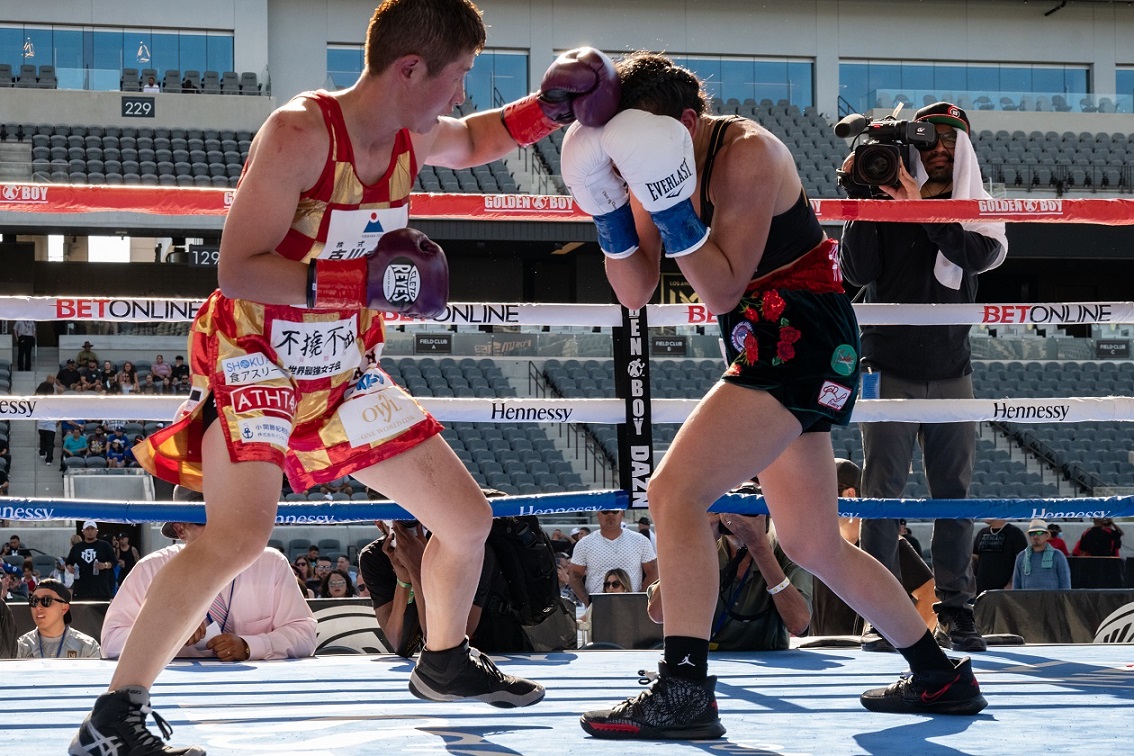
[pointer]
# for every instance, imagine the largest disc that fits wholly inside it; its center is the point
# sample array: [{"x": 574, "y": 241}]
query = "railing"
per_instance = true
[{"x": 594, "y": 457}]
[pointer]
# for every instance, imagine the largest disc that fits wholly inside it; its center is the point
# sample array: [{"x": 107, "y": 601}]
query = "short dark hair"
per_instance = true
[
  {"x": 440, "y": 31},
  {"x": 656, "y": 84}
]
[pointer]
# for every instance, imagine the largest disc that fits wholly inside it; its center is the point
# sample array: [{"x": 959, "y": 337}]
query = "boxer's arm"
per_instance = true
[
  {"x": 476, "y": 139},
  {"x": 287, "y": 157},
  {"x": 635, "y": 278},
  {"x": 745, "y": 192}
]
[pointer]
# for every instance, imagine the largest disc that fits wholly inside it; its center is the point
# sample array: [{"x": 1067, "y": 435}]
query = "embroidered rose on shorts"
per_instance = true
[
  {"x": 751, "y": 348},
  {"x": 772, "y": 305},
  {"x": 785, "y": 349},
  {"x": 789, "y": 334},
  {"x": 751, "y": 313}
]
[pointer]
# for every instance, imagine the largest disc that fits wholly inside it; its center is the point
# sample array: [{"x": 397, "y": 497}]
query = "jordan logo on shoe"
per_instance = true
[{"x": 687, "y": 661}]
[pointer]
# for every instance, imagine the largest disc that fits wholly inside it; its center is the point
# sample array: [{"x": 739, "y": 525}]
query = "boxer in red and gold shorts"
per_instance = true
[{"x": 285, "y": 354}]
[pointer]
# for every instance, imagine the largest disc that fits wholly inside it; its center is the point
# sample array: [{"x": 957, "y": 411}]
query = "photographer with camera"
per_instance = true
[{"x": 922, "y": 263}]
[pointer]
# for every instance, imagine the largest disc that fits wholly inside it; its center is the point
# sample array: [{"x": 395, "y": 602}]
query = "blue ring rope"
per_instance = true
[{"x": 342, "y": 512}]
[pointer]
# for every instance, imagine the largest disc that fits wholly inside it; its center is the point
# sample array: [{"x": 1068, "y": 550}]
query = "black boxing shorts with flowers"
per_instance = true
[
  {"x": 794, "y": 335},
  {"x": 296, "y": 387}
]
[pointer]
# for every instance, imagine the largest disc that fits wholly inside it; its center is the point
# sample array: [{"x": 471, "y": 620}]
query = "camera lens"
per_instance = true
[{"x": 876, "y": 165}]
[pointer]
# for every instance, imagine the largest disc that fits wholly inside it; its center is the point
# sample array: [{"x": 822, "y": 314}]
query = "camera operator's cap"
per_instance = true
[
  {"x": 849, "y": 474},
  {"x": 946, "y": 113}
]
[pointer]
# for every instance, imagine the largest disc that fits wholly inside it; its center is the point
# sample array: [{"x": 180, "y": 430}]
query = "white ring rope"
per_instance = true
[
  {"x": 611, "y": 411},
  {"x": 149, "y": 310}
]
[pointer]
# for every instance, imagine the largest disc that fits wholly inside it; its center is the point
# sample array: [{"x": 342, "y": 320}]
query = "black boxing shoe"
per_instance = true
[
  {"x": 116, "y": 726},
  {"x": 464, "y": 673},
  {"x": 956, "y": 630},
  {"x": 873, "y": 641},
  {"x": 673, "y": 709},
  {"x": 953, "y": 691}
]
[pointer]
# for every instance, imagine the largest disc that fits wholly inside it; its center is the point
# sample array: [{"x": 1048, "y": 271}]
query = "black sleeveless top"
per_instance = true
[{"x": 793, "y": 233}]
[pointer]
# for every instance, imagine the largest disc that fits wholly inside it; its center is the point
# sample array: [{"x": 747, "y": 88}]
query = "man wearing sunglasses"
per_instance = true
[
  {"x": 53, "y": 637},
  {"x": 612, "y": 547},
  {"x": 925, "y": 263}
]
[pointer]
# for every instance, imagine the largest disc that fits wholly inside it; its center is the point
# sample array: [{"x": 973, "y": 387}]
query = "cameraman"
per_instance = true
[{"x": 925, "y": 263}]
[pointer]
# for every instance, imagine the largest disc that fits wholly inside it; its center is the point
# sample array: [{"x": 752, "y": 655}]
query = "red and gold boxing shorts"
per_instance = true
[{"x": 296, "y": 387}]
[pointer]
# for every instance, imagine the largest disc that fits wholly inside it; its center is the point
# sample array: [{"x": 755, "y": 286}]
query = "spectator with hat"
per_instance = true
[
  {"x": 94, "y": 560},
  {"x": 612, "y": 546},
  {"x": 259, "y": 615},
  {"x": 1041, "y": 567},
  {"x": 934, "y": 263},
  {"x": 179, "y": 375},
  {"x": 86, "y": 354},
  {"x": 53, "y": 637}
]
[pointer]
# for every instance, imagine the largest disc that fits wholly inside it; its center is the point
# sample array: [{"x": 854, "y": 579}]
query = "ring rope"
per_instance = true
[
  {"x": 345, "y": 512},
  {"x": 613, "y": 411},
  {"x": 149, "y": 310}
]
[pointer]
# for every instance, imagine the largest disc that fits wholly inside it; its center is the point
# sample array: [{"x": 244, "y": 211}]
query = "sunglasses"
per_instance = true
[
  {"x": 1038, "y": 532},
  {"x": 301, "y": 564},
  {"x": 46, "y": 601},
  {"x": 610, "y": 511},
  {"x": 337, "y": 584},
  {"x": 612, "y": 584}
]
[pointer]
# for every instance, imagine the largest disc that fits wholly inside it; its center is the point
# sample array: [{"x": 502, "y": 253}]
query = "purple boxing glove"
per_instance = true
[
  {"x": 406, "y": 273},
  {"x": 581, "y": 84}
]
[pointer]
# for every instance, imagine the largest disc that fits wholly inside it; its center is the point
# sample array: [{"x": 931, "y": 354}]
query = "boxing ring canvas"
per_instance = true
[{"x": 1067, "y": 699}]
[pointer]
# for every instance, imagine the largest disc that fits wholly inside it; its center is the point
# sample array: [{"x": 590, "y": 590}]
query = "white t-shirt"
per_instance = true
[{"x": 628, "y": 552}]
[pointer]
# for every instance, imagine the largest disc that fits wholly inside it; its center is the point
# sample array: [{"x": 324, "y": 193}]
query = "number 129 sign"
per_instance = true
[{"x": 137, "y": 107}]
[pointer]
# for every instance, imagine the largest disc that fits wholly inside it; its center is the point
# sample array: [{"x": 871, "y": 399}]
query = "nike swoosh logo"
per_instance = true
[{"x": 927, "y": 697}]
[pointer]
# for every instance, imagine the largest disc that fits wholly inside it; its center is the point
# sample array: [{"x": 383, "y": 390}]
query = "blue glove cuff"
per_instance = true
[
  {"x": 617, "y": 236},
  {"x": 682, "y": 232}
]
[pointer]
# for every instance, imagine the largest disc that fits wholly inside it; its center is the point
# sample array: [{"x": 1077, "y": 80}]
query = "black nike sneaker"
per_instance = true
[
  {"x": 673, "y": 709},
  {"x": 956, "y": 630},
  {"x": 954, "y": 691}
]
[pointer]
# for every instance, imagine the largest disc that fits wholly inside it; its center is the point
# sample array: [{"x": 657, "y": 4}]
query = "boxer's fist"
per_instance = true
[
  {"x": 581, "y": 84},
  {"x": 655, "y": 156},
  {"x": 598, "y": 190},
  {"x": 406, "y": 272}
]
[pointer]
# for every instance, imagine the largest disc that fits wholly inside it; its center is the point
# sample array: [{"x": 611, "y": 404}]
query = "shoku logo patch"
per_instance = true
[{"x": 670, "y": 186}]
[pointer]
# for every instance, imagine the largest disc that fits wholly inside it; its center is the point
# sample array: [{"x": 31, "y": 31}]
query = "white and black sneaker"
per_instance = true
[
  {"x": 465, "y": 673},
  {"x": 116, "y": 726}
]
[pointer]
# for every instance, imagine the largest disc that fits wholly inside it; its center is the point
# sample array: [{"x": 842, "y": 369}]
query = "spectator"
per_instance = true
[
  {"x": 13, "y": 583},
  {"x": 304, "y": 567},
  {"x": 336, "y": 584},
  {"x": 763, "y": 597},
  {"x": 74, "y": 446},
  {"x": 1103, "y": 539},
  {"x": 612, "y": 546},
  {"x": 96, "y": 444},
  {"x": 15, "y": 546},
  {"x": 563, "y": 570},
  {"x": 1056, "y": 539},
  {"x": 338, "y": 485},
  {"x": 323, "y": 568},
  {"x": 90, "y": 377},
  {"x": 94, "y": 559},
  {"x": 127, "y": 378},
  {"x": 179, "y": 375},
  {"x": 905, "y": 532},
  {"x": 30, "y": 577},
  {"x": 68, "y": 376},
  {"x": 61, "y": 573},
  {"x": 147, "y": 385},
  {"x": 579, "y": 532},
  {"x": 127, "y": 554},
  {"x": 930, "y": 263},
  {"x": 1041, "y": 567},
  {"x": 343, "y": 564},
  {"x": 108, "y": 377},
  {"x": 86, "y": 354},
  {"x": 7, "y": 622},
  {"x": 162, "y": 372},
  {"x": 48, "y": 387},
  {"x": 131, "y": 460},
  {"x": 391, "y": 569},
  {"x": 53, "y": 637},
  {"x": 259, "y": 615},
  {"x": 312, "y": 555},
  {"x": 151, "y": 86},
  {"x": 188, "y": 87},
  {"x": 994, "y": 554},
  {"x": 830, "y": 615},
  {"x": 25, "y": 343},
  {"x": 616, "y": 581},
  {"x": 644, "y": 529},
  {"x": 362, "y": 588},
  {"x": 304, "y": 591}
]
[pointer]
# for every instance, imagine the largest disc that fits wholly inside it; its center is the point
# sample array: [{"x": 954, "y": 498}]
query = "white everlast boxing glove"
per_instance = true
[
  {"x": 598, "y": 190},
  {"x": 654, "y": 154}
]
